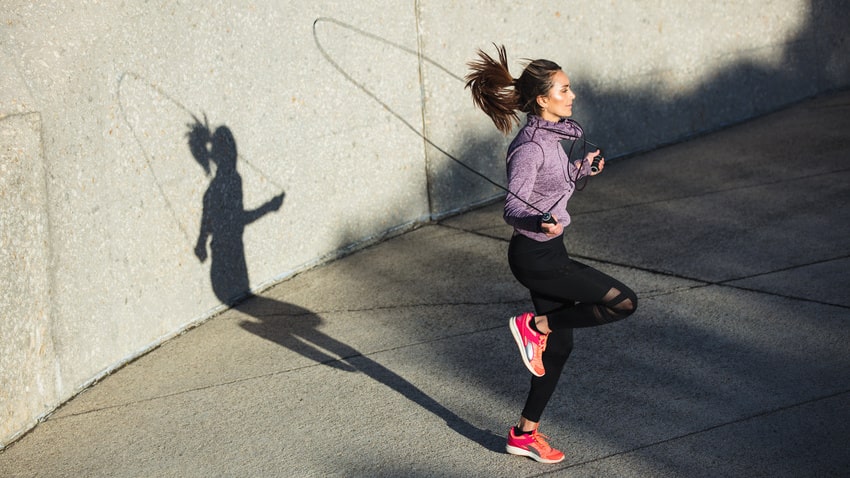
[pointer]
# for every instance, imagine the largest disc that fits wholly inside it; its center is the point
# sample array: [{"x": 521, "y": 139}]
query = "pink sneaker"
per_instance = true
[
  {"x": 531, "y": 344},
  {"x": 533, "y": 446}
]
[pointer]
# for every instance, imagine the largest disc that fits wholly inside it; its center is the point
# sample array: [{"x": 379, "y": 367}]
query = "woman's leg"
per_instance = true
[
  {"x": 524, "y": 439},
  {"x": 555, "y": 357}
]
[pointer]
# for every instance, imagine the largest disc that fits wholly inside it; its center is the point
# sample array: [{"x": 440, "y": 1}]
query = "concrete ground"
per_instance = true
[{"x": 397, "y": 360}]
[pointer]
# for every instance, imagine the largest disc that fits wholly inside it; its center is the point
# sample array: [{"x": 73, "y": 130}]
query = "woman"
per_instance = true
[{"x": 541, "y": 178}]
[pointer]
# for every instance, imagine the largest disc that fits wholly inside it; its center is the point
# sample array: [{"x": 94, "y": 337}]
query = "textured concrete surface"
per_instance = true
[
  {"x": 328, "y": 106},
  {"x": 397, "y": 361},
  {"x": 27, "y": 375}
]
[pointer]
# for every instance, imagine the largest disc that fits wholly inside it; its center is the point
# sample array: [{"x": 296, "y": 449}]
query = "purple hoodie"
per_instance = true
[{"x": 540, "y": 173}]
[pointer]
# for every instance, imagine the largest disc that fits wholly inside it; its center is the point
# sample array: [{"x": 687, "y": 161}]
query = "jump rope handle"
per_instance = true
[
  {"x": 548, "y": 219},
  {"x": 594, "y": 166}
]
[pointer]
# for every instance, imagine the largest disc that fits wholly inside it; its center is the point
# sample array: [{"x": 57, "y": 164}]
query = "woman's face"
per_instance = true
[{"x": 558, "y": 103}]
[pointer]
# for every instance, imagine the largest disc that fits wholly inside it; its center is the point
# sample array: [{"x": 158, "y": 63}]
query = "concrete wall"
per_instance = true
[{"x": 102, "y": 201}]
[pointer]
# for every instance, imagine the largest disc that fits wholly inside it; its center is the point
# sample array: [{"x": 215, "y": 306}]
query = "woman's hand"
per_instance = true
[
  {"x": 590, "y": 157},
  {"x": 552, "y": 230},
  {"x": 201, "y": 250}
]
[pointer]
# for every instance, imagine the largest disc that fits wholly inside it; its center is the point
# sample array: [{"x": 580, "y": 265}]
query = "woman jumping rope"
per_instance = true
[{"x": 566, "y": 294}]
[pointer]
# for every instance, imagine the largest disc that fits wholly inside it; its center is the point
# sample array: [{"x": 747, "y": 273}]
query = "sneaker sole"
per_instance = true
[
  {"x": 518, "y": 340},
  {"x": 523, "y": 452}
]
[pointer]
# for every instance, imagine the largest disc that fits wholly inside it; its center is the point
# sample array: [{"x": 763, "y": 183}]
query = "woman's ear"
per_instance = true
[{"x": 542, "y": 101}]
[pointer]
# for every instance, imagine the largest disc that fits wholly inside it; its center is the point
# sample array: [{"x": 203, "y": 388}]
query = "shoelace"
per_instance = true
[
  {"x": 540, "y": 440},
  {"x": 542, "y": 341}
]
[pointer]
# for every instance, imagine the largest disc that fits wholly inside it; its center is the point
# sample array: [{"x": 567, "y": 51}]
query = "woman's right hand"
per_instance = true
[{"x": 552, "y": 230}]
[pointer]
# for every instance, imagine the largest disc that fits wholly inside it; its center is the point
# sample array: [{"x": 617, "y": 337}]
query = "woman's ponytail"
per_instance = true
[{"x": 492, "y": 88}]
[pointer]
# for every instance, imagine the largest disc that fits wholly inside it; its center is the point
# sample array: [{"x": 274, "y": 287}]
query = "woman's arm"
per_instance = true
[{"x": 522, "y": 166}]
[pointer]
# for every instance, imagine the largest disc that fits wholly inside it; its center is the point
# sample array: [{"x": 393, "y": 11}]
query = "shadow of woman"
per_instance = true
[
  {"x": 296, "y": 329},
  {"x": 224, "y": 217},
  {"x": 223, "y": 223}
]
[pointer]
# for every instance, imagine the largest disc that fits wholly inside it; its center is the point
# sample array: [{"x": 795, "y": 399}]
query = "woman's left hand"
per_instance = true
[{"x": 552, "y": 229}]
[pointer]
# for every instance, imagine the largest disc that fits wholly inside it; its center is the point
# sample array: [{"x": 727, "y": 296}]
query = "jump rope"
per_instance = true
[{"x": 546, "y": 216}]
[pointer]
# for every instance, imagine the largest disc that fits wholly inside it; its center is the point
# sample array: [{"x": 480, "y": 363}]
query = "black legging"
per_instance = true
[{"x": 571, "y": 295}]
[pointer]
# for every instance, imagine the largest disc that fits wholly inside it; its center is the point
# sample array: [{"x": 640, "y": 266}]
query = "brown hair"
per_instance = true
[{"x": 499, "y": 95}]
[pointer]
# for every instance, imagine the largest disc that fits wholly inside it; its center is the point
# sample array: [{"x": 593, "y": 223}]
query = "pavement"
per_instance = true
[{"x": 397, "y": 361}]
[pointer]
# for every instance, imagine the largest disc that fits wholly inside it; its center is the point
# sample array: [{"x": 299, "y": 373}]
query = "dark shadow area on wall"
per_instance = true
[
  {"x": 637, "y": 120},
  {"x": 223, "y": 224}
]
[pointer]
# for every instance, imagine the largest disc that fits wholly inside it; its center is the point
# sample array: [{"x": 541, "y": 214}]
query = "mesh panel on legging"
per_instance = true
[{"x": 617, "y": 304}]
